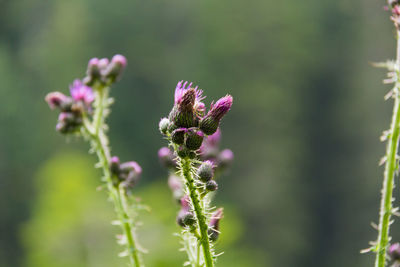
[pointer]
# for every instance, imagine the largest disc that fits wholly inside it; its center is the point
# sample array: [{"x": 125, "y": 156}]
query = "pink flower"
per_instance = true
[
  {"x": 182, "y": 88},
  {"x": 81, "y": 92}
]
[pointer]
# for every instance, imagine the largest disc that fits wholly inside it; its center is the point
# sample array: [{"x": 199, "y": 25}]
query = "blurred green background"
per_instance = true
[{"x": 305, "y": 125}]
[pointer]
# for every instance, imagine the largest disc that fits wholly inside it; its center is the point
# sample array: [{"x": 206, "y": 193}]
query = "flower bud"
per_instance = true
[
  {"x": 182, "y": 114},
  {"x": 103, "y": 64},
  {"x": 81, "y": 92},
  {"x": 62, "y": 127},
  {"x": 185, "y": 219},
  {"x": 130, "y": 174},
  {"x": 68, "y": 122},
  {"x": 211, "y": 185},
  {"x": 166, "y": 157},
  {"x": 93, "y": 69},
  {"x": 194, "y": 139},
  {"x": 213, "y": 230},
  {"x": 178, "y": 136},
  {"x": 205, "y": 171},
  {"x": 115, "y": 68},
  {"x": 114, "y": 165},
  {"x": 209, "y": 123},
  {"x": 394, "y": 252},
  {"x": 59, "y": 100},
  {"x": 163, "y": 125}
]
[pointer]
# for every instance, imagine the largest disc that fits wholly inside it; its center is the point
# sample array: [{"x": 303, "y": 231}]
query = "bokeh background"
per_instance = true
[{"x": 305, "y": 125}]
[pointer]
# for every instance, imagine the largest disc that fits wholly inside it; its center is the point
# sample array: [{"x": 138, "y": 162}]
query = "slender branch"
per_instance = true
[
  {"x": 186, "y": 166},
  {"x": 390, "y": 171},
  {"x": 100, "y": 144}
]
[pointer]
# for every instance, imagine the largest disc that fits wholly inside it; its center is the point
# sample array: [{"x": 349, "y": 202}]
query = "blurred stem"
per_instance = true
[
  {"x": 100, "y": 145},
  {"x": 390, "y": 170},
  {"x": 186, "y": 166}
]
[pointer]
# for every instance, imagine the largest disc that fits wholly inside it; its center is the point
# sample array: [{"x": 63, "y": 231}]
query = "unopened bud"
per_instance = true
[
  {"x": 211, "y": 185},
  {"x": 103, "y": 64},
  {"x": 394, "y": 252},
  {"x": 59, "y": 100},
  {"x": 185, "y": 219},
  {"x": 205, "y": 171},
  {"x": 178, "y": 136},
  {"x": 116, "y": 67},
  {"x": 93, "y": 69},
  {"x": 163, "y": 125},
  {"x": 209, "y": 123},
  {"x": 194, "y": 139},
  {"x": 114, "y": 165},
  {"x": 213, "y": 230}
]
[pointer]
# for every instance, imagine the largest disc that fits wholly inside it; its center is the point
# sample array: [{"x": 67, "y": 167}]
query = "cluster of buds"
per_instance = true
[
  {"x": 394, "y": 7},
  {"x": 71, "y": 107},
  {"x": 104, "y": 71},
  {"x": 194, "y": 133},
  {"x": 187, "y": 123},
  {"x": 209, "y": 152},
  {"x": 126, "y": 174}
]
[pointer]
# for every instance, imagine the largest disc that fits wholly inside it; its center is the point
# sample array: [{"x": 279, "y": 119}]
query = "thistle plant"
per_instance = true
[
  {"x": 84, "y": 113},
  {"x": 381, "y": 245},
  {"x": 193, "y": 136}
]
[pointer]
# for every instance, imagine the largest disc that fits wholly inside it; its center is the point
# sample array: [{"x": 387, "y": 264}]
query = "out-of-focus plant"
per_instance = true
[
  {"x": 391, "y": 159},
  {"x": 193, "y": 134},
  {"x": 84, "y": 114}
]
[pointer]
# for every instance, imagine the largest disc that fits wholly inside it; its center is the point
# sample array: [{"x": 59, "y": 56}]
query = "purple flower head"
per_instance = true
[
  {"x": 55, "y": 99},
  {"x": 114, "y": 69},
  {"x": 394, "y": 252},
  {"x": 182, "y": 88},
  {"x": 81, "y": 92},
  {"x": 93, "y": 62},
  {"x": 209, "y": 123},
  {"x": 131, "y": 166},
  {"x": 221, "y": 107},
  {"x": 119, "y": 60}
]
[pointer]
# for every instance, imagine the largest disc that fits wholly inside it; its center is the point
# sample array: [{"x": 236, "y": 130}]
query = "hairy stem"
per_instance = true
[
  {"x": 186, "y": 166},
  {"x": 100, "y": 144},
  {"x": 390, "y": 170}
]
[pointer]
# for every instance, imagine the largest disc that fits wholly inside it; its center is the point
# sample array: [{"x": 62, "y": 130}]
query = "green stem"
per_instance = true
[
  {"x": 186, "y": 166},
  {"x": 100, "y": 142},
  {"x": 390, "y": 170}
]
